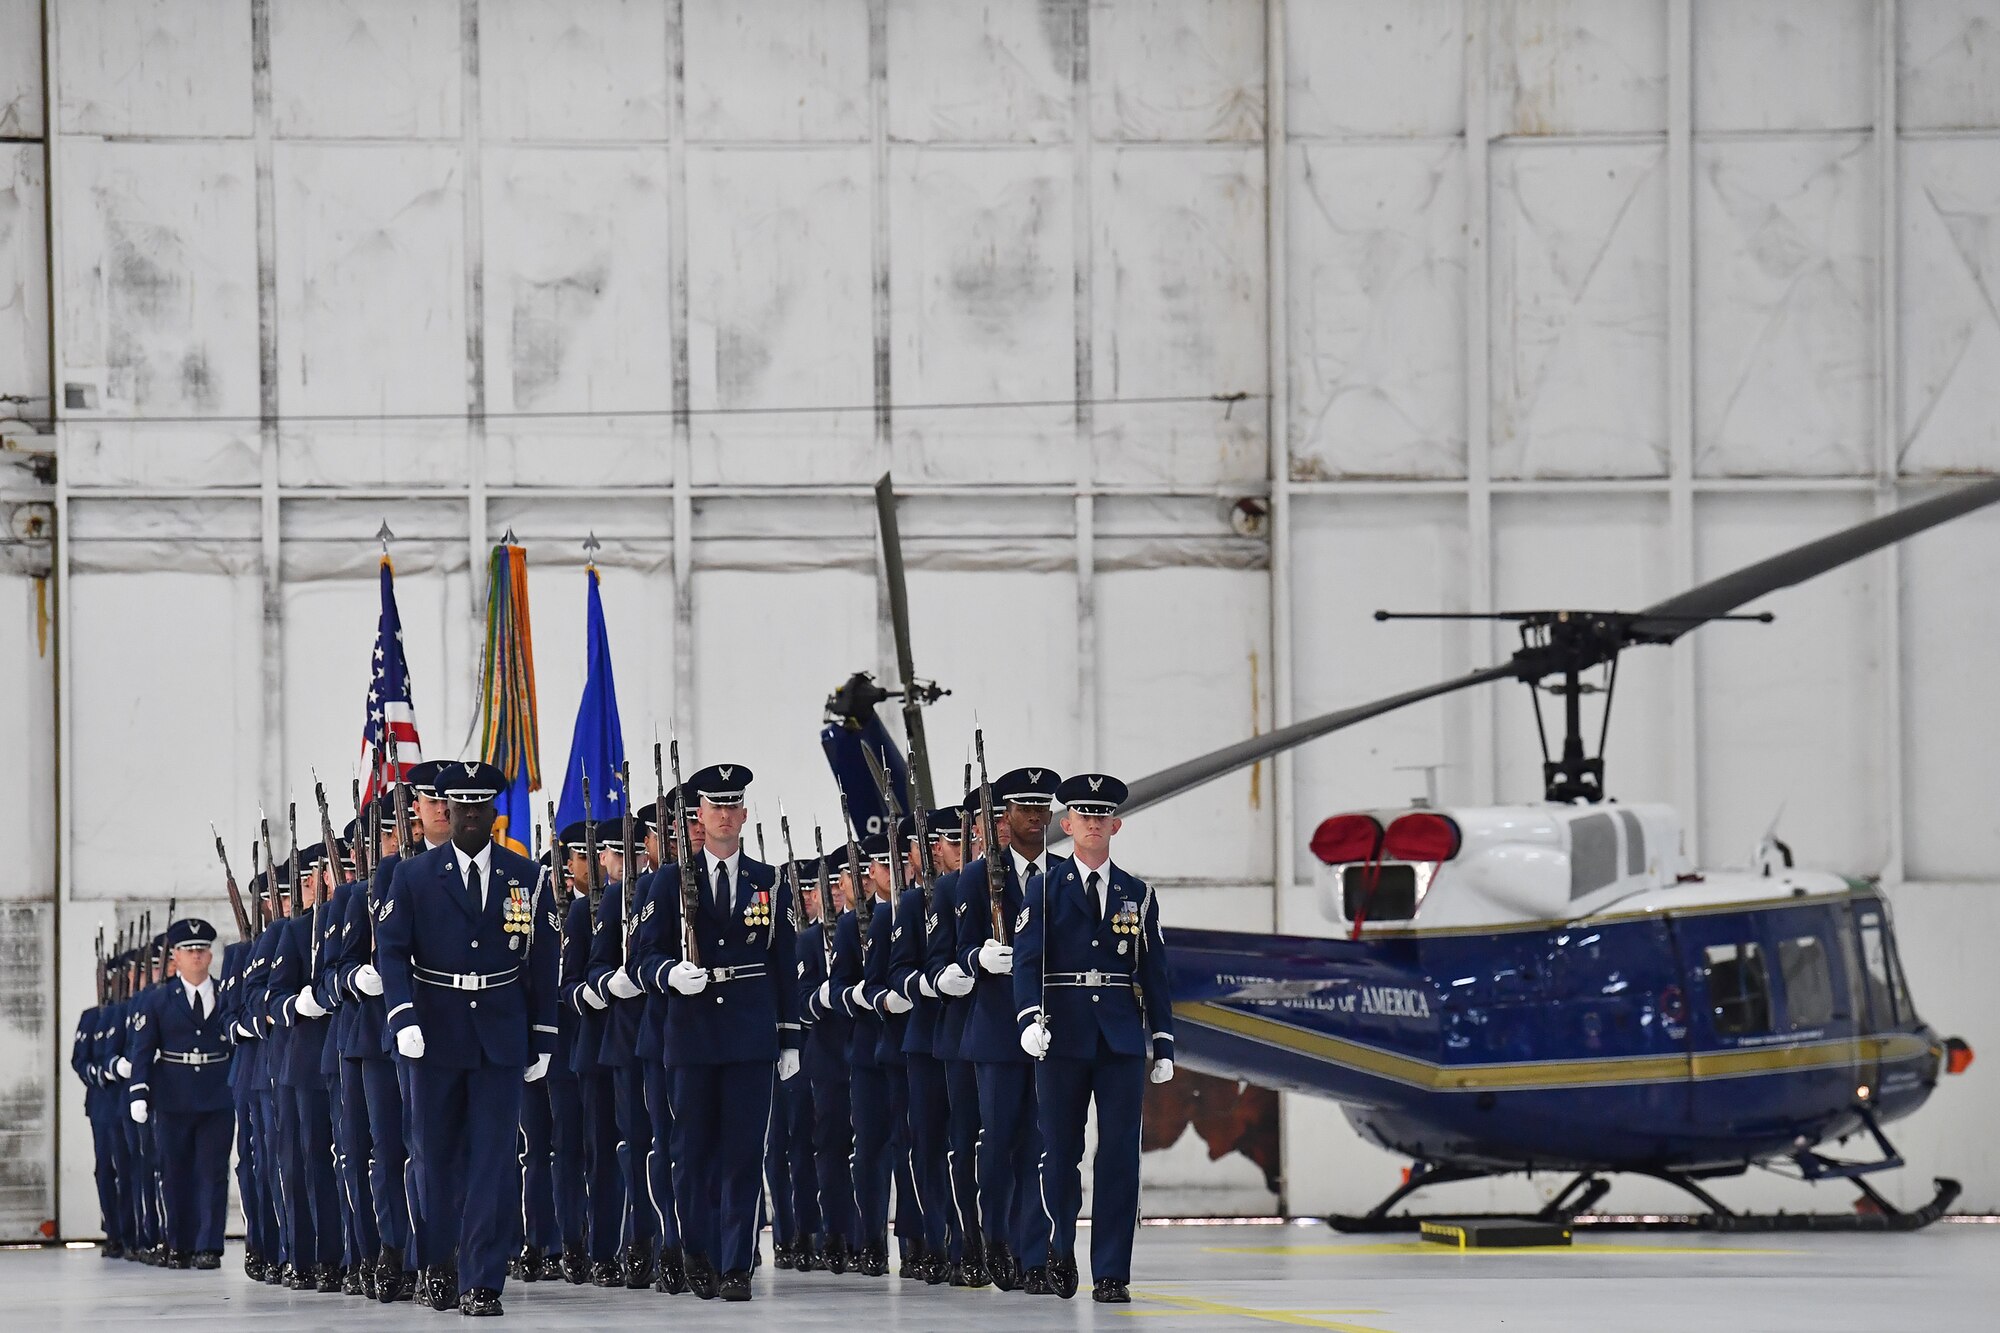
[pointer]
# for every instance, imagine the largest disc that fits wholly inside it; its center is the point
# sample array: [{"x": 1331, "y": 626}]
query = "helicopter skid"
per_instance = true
[{"x": 1571, "y": 1207}]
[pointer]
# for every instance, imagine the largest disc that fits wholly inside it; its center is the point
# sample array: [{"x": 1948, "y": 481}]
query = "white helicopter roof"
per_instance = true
[{"x": 1542, "y": 865}]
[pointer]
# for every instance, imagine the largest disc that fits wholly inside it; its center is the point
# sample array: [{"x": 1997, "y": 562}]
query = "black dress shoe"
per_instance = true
[
  {"x": 1035, "y": 1282},
  {"x": 874, "y": 1261},
  {"x": 781, "y": 1255},
  {"x": 604, "y": 1273},
  {"x": 253, "y": 1266},
  {"x": 575, "y": 1267},
  {"x": 369, "y": 1288},
  {"x": 734, "y": 1286},
  {"x": 549, "y": 1269},
  {"x": 517, "y": 1268},
  {"x": 280, "y": 1275},
  {"x": 1062, "y": 1276},
  {"x": 805, "y": 1255},
  {"x": 444, "y": 1289},
  {"x": 296, "y": 1278},
  {"x": 332, "y": 1278},
  {"x": 1111, "y": 1291},
  {"x": 911, "y": 1266},
  {"x": 207, "y": 1259},
  {"x": 350, "y": 1285},
  {"x": 638, "y": 1267},
  {"x": 671, "y": 1276},
  {"x": 392, "y": 1284},
  {"x": 836, "y": 1255},
  {"x": 1000, "y": 1263},
  {"x": 480, "y": 1302},
  {"x": 937, "y": 1271},
  {"x": 178, "y": 1259},
  {"x": 701, "y": 1276}
]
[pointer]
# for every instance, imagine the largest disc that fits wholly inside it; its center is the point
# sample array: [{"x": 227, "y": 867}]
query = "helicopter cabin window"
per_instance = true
[
  {"x": 1808, "y": 981},
  {"x": 1635, "y": 843},
  {"x": 1593, "y": 854},
  {"x": 1888, "y": 1004},
  {"x": 1739, "y": 989},
  {"x": 1379, "y": 892}
]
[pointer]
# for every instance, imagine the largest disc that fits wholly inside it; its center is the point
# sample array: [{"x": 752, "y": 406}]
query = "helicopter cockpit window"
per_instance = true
[
  {"x": 1739, "y": 989},
  {"x": 1593, "y": 854},
  {"x": 1808, "y": 979},
  {"x": 1887, "y": 1004}
]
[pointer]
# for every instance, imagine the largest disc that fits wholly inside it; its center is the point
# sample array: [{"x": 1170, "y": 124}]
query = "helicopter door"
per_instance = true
[
  {"x": 1733, "y": 1009},
  {"x": 1882, "y": 999}
]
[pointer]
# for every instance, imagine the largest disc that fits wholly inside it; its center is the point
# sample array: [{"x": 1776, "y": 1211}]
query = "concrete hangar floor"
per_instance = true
[{"x": 1942, "y": 1280}]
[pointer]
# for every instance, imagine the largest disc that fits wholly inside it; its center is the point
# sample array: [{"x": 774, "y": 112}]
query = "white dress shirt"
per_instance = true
[
  {"x": 734, "y": 864},
  {"x": 485, "y": 863},
  {"x": 206, "y": 990}
]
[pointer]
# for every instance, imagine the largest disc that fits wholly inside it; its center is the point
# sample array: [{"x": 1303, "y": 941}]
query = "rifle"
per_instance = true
[
  {"x": 684, "y": 858},
  {"x": 149, "y": 953},
  {"x": 965, "y": 821},
  {"x": 298, "y": 886},
  {"x": 862, "y": 896},
  {"x": 257, "y": 893},
  {"x": 364, "y": 846},
  {"x": 826, "y": 912},
  {"x": 592, "y": 879},
  {"x": 404, "y": 849},
  {"x": 894, "y": 808},
  {"x": 332, "y": 863},
  {"x": 229, "y": 882},
  {"x": 996, "y": 869},
  {"x": 631, "y": 870},
  {"x": 796, "y": 907},
  {"x": 102, "y": 975}
]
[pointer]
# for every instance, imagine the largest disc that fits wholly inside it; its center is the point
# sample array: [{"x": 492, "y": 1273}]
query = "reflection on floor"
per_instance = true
[{"x": 1944, "y": 1280}]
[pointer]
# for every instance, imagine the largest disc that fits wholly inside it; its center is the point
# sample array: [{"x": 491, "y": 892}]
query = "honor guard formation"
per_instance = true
[{"x": 442, "y": 1065}]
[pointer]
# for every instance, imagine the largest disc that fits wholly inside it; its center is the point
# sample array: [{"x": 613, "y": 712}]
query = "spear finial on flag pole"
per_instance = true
[{"x": 385, "y": 536}]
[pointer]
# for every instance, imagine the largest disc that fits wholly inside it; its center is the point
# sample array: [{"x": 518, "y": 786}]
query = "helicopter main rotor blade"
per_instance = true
[
  {"x": 1169, "y": 782},
  {"x": 1663, "y": 622},
  {"x": 899, "y": 616}
]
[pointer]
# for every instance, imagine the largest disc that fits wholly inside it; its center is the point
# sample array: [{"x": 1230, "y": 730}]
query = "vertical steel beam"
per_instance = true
[
  {"x": 1478, "y": 393},
  {"x": 1082, "y": 173},
  {"x": 473, "y": 207},
  {"x": 682, "y": 443},
  {"x": 1685, "y": 771},
  {"x": 1888, "y": 424},
  {"x": 271, "y": 748},
  {"x": 1278, "y": 439},
  {"x": 1278, "y": 448}
]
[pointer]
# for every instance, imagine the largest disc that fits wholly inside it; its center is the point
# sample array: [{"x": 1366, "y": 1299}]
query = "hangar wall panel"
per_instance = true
[{"x": 693, "y": 287}]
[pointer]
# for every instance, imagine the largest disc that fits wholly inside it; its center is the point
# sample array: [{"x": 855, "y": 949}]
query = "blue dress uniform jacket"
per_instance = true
[
  {"x": 908, "y": 954},
  {"x": 1105, "y": 978},
  {"x": 426, "y": 933},
  {"x": 609, "y": 950},
  {"x": 864, "y": 1028},
  {"x": 360, "y": 1031},
  {"x": 579, "y": 1025},
  {"x": 991, "y": 1036},
  {"x": 940, "y": 951},
  {"x": 752, "y": 1013},
  {"x": 179, "y": 1063},
  {"x": 827, "y": 1031}
]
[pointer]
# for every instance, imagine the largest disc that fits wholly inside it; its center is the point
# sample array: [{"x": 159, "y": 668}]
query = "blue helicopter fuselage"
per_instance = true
[{"x": 1686, "y": 1040}]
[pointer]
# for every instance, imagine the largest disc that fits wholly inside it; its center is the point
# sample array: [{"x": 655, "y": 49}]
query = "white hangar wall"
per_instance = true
[{"x": 1481, "y": 303}]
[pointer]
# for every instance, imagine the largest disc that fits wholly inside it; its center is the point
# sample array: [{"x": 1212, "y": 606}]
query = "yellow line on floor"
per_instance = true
[
  {"x": 1295, "y": 1318},
  {"x": 1430, "y": 1248}
]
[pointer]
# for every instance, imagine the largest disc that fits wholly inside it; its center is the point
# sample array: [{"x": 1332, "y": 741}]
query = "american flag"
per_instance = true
[{"x": 389, "y": 706}]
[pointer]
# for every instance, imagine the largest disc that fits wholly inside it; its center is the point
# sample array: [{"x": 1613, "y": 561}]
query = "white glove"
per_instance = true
[
  {"x": 537, "y": 1069},
  {"x": 895, "y": 1003},
  {"x": 1162, "y": 1070},
  {"x": 367, "y": 980},
  {"x": 1035, "y": 1041},
  {"x": 826, "y": 995},
  {"x": 687, "y": 978},
  {"x": 410, "y": 1043},
  {"x": 309, "y": 1005},
  {"x": 997, "y": 958},
  {"x": 924, "y": 985},
  {"x": 857, "y": 997},
  {"x": 139, "y": 1113},
  {"x": 621, "y": 985},
  {"x": 591, "y": 997},
  {"x": 953, "y": 981},
  {"x": 122, "y": 1067},
  {"x": 788, "y": 1064},
  {"x": 245, "y": 1033}
]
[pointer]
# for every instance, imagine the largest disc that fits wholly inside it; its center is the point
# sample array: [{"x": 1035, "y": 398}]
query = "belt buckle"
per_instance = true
[
  {"x": 464, "y": 981},
  {"x": 1093, "y": 978}
]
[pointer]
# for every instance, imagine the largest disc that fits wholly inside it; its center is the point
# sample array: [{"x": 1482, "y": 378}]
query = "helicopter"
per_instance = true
[{"x": 1555, "y": 987}]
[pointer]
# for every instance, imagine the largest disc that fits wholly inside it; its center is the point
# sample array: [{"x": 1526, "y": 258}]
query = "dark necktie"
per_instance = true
[
  {"x": 1096, "y": 904},
  {"x": 472, "y": 889},
  {"x": 721, "y": 888},
  {"x": 195, "y": 1000}
]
